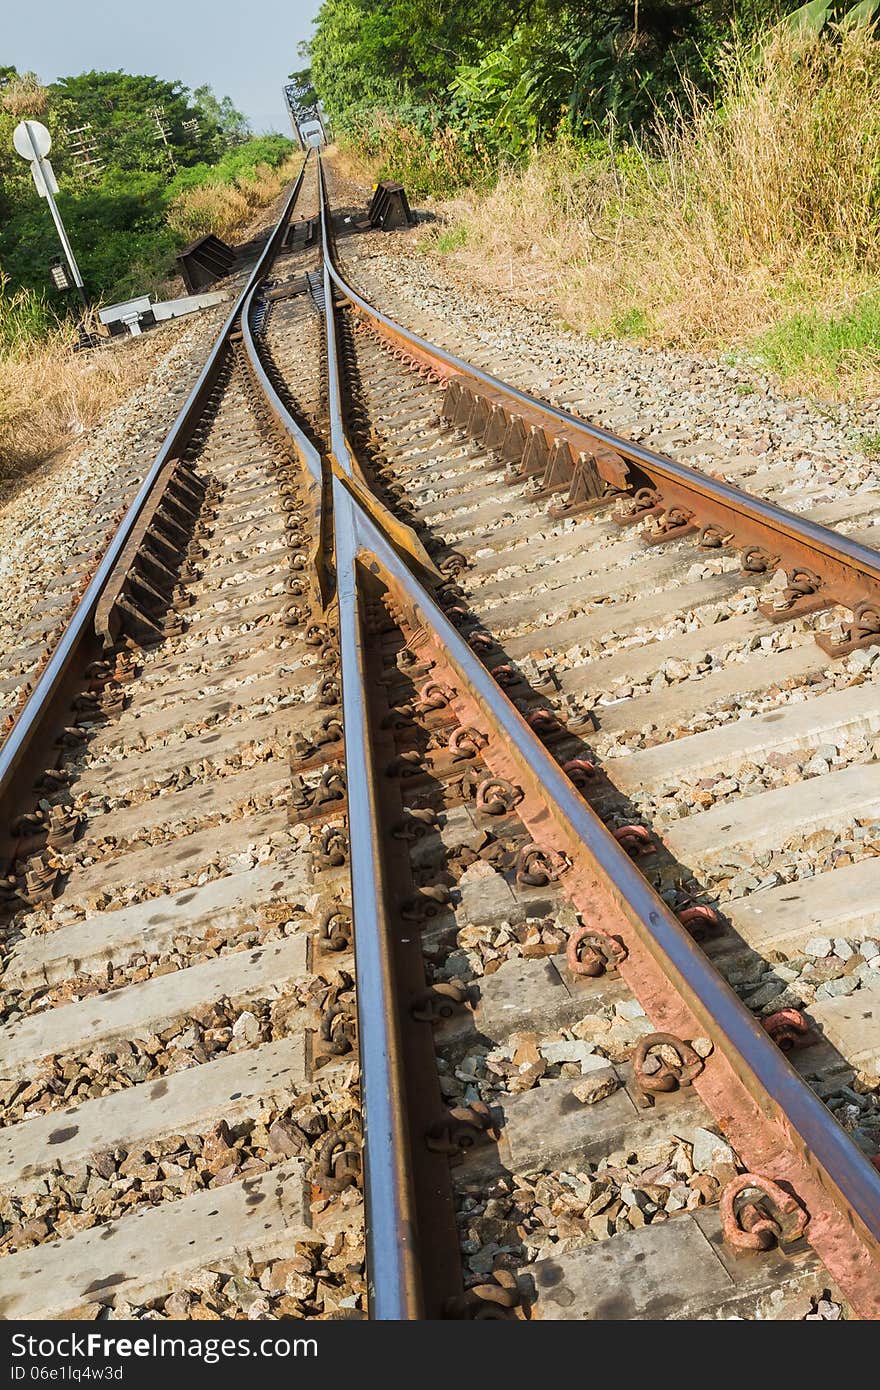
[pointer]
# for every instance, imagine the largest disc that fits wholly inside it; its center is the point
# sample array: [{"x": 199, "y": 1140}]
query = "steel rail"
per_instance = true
[
  {"x": 851, "y": 569},
  {"x": 77, "y": 630},
  {"x": 393, "y": 1258},
  {"x": 772, "y": 1116},
  {"x": 775, "y": 1120},
  {"x": 296, "y": 439},
  {"x": 393, "y": 1267},
  {"x": 394, "y": 1283}
]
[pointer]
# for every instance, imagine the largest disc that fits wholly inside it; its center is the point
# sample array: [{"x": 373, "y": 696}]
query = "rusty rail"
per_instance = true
[
  {"x": 775, "y": 1121},
  {"x": 393, "y": 1258},
  {"x": 781, "y": 1129}
]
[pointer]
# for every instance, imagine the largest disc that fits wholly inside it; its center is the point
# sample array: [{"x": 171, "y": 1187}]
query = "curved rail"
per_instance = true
[
  {"x": 394, "y": 1286},
  {"x": 394, "y": 1282},
  {"x": 770, "y": 1114}
]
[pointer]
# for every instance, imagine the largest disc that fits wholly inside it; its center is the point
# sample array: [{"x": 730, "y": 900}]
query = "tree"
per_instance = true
[
  {"x": 22, "y": 95},
  {"x": 19, "y": 98},
  {"x": 125, "y": 112},
  {"x": 150, "y": 140},
  {"x": 221, "y": 114},
  {"x": 367, "y": 51}
]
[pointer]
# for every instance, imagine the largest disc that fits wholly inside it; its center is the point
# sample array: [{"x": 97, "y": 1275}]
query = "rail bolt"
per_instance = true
[
  {"x": 339, "y": 1029},
  {"x": 453, "y": 564},
  {"x": 335, "y": 928},
  {"x": 788, "y": 1028},
  {"x": 496, "y": 796},
  {"x": 486, "y": 1296},
  {"x": 662, "y": 1062},
  {"x": 635, "y": 839},
  {"x": 434, "y": 696},
  {"x": 545, "y": 723},
  {"x": 461, "y": 1129},
  {"x": 331, "y": 786},
  {"x": 756, "y": 560},
  {"x": 466, "y": 743},
  {"x": 443, "y": 1000},
  {"x": 426, "y": 903},
  {"x": 772, "y": 1215},
  {"x": 338, "y": 1164},
  {"x": 579, "y": 770},
  {"x": 537, "y": 867},
  {"x": 698, "y": 919},
  {"x": 416, "y": 822},
  {"x": 593, "y": 953},
  {"x": 332, "y": 851}
]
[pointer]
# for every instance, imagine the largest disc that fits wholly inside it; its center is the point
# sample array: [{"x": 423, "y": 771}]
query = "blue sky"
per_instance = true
[{"x": 243, "y": 50}]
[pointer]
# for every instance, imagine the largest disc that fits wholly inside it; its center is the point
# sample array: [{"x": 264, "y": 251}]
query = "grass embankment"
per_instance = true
[
  {"x": 430, "y": 160},
  {"x": 49, "y": 394},
  {"x": 748, "y": 225}
]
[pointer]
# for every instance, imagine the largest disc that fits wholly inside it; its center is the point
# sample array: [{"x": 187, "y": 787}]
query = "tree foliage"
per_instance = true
[
  {"x": 123, "y": 111},
  {"x": 367, "y": 51},
  {"x": 115, "y": 209},
  {"x": 516, "y": 71},
  {"x": 221, "y": 114}
]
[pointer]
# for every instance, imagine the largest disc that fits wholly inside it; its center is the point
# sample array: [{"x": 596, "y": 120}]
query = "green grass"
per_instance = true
[
  {"x": 631, "y": 323},
  {"x": 25, "y": 318},
  {"x": 818, "y": 346},
  {"x": 869, "y": 443},
  {"x": 452, "y": 240},
  {"x": 240, "y": 162}
]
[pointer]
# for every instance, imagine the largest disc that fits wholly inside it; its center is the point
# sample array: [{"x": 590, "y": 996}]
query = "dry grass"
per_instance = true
[
  {"x": 49, "y": 395},
  {"x": 225, "y": 209},
  {"x": 25, "y": 96},
  {"x": 429, "y": 162},
  {"x": 741, "y": 219},
  {"x": 47, "y": 392},
  {"x": 352, "y": 164}
]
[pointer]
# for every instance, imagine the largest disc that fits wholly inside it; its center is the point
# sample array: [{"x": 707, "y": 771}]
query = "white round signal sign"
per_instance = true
[{"x": 32, "y": 140}]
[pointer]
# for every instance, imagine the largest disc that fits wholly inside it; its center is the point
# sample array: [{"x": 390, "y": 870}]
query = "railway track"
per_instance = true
[{"x": 398, "y": 921}]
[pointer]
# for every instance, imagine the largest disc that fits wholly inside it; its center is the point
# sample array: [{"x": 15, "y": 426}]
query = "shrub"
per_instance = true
[
  {"x": 430, "y": 159},
  {"x": 25, "y": 317},
  {"x": 225, "y": 207},
  {"x": 25, "y": 97}
]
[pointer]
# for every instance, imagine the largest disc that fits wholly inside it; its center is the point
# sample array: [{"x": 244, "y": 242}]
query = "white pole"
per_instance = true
[{"x": 56, "y": 217}]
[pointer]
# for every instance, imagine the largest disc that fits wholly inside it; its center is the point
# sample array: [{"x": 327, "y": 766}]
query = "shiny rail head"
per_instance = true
[{"x": 842, "y": 1187}]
